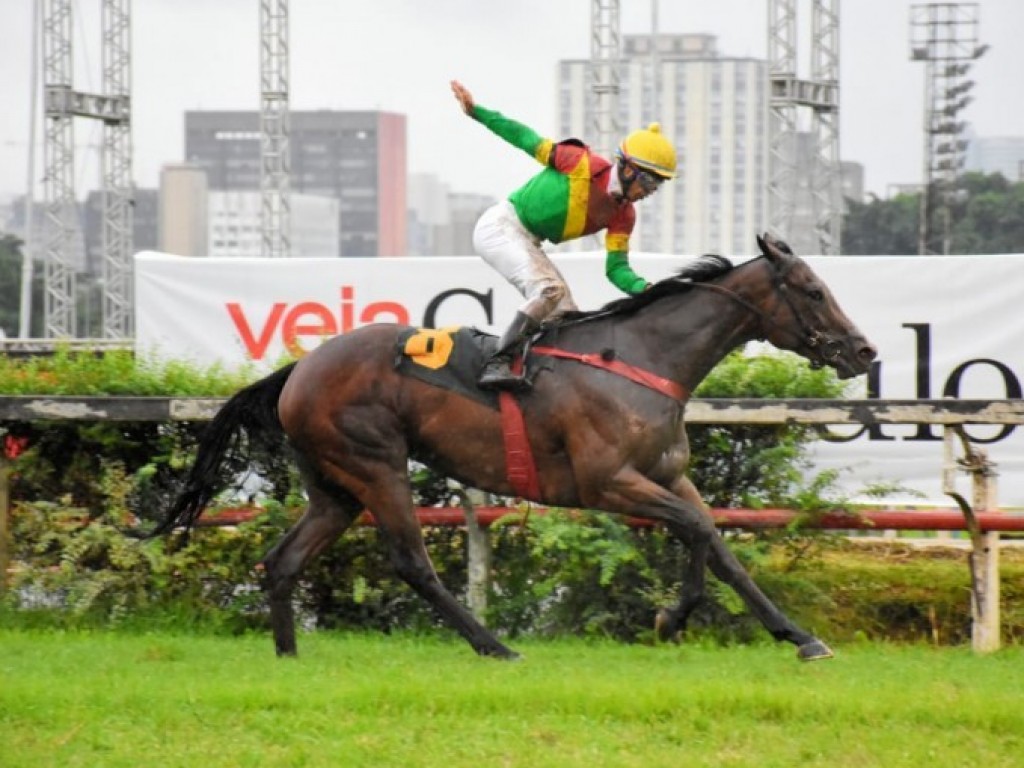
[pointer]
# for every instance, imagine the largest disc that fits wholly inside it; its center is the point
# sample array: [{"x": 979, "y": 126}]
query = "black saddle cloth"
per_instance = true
[{"x": 450, "y": 358}]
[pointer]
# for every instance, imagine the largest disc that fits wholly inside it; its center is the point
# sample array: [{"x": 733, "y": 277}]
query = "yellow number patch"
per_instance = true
[{"x": 431, "y": 348}]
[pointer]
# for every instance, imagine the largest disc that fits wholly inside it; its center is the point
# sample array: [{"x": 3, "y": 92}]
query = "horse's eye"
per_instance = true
[{"x": 815, "y": 294}]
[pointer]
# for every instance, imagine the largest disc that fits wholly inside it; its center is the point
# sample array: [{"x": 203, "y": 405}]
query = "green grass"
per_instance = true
[{"x": 117, "y": 699}]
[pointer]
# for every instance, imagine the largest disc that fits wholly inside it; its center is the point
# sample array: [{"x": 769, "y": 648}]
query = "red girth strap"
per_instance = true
[
  {"x": 519, "y": 464},
  {"x": 631, "y": 372},
  {"x": 520, "y": 467}
]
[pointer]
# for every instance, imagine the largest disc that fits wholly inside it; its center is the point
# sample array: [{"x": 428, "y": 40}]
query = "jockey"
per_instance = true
[{"x": 575, "y": 195}]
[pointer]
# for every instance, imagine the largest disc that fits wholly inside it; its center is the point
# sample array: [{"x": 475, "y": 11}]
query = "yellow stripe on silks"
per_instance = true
[
  {"x": 618, "y": 242},
  {"x": 579, "y": 196},
  {"x": 542, "y": 154}
]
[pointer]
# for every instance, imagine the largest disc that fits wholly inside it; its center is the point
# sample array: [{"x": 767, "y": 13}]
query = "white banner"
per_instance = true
[{"x": 945, "y": 326}]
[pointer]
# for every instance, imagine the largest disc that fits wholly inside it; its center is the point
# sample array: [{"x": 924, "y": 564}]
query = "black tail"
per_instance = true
[{"x": 251, "y": 412}]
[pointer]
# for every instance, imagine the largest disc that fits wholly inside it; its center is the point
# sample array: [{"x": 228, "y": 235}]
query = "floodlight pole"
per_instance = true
[
  {"x": 605, "y": 59},
  {"x": 61, "y": 104},
  {"x": 945, "y": 37},
  {"x": 275, "y": 160},
  {"x": 821, "y": 94}
]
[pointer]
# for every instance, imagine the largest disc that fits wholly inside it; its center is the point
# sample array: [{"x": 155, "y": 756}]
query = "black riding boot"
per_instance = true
[{"x": 497, "y": 372}]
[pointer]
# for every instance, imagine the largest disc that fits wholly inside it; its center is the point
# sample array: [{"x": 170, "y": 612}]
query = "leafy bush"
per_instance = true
[
  {"x": 67, "y": 460},
  {"x": 756, "y": 466},
  {"x": 115, "y": 372}
]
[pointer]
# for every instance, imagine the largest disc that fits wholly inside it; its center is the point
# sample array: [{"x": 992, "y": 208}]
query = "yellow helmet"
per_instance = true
[{"x": 650, "y": 150}]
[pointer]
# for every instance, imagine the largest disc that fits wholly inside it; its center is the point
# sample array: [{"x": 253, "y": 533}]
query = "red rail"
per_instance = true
[{"x": 905, "y": 520}]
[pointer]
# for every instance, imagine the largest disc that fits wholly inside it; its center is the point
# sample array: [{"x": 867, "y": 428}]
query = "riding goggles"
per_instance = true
[{"x": 648, "y": 181}]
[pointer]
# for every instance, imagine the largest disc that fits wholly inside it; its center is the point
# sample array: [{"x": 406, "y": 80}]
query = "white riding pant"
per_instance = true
[{"x": 504, "y": 243}]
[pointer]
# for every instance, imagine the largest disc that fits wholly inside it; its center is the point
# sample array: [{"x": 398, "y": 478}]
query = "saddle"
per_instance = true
[{"x": 450, "y": 358}]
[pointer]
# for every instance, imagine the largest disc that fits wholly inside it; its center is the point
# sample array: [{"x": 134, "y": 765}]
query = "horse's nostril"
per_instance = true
[{"x": 867, "y": 353}]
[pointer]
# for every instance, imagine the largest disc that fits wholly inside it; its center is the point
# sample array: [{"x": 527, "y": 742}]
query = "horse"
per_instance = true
[{"x": 604, "y": 421}]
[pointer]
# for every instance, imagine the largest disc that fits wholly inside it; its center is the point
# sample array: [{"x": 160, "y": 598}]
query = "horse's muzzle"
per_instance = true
[{"x": 851, "y": 358}]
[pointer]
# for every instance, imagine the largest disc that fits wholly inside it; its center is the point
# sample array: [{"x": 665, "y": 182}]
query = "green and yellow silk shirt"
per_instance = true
[{"x": 570, "y": 197}]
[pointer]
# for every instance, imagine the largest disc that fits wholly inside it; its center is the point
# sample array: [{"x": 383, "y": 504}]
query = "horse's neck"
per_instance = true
[{"x": 685, "y": 336}]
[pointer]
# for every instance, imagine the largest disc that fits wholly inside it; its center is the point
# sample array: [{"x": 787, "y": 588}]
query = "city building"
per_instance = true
[
  {"x": 996, "y": 154},
  {"x": 145, "y": 204},
  {"x": 182, "y": 210},
  {"x": 851, "y": 180},
  {"x": 235, "y": 220},
  {"x": 13, "y": 222},
  {"x": 466, "y": 208},
  {"x": 803, "y": 235},
  {"x": 714, "y": 109},
  {"x": 441, "y": 222},
  {"x": 429, "y": 213},
  {"x": 359, "y": 158}
]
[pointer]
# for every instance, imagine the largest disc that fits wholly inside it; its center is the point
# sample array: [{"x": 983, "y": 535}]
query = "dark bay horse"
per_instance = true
[{"x": 599, "y": 440}]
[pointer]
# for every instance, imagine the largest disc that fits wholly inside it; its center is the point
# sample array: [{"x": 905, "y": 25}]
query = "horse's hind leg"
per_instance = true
[
  {"x": 330, "y": 512},
  {"x": 670, "y": 622},
  {"x": 390, "y": 498}
]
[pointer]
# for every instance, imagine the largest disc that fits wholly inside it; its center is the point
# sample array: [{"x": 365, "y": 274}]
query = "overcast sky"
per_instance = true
[{"x": 399, "y": 55}]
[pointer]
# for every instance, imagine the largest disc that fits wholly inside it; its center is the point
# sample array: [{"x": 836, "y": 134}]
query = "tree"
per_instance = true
[
  {"x": 987, "y": 214},
  {"x": 881, "y": 227},
  {"x": 10, "y": 288},
  {"x": 990, "y": 217}
]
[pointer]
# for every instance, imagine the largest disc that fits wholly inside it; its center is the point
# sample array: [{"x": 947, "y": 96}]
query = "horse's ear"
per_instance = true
[
  {"x": 773, "y": 249},
  {"x": 767, "y": 245}
]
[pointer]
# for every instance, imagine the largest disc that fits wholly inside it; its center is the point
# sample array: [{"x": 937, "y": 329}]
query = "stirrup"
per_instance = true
[{"x": 497, "y": 374}]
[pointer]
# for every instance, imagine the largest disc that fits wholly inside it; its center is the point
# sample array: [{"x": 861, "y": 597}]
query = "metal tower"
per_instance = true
[
  {"x": 61, "y": 104},
  {"x": 827, "y": 183},
  {"x": 605, "y": 55},
  {"x": 821, "y": 94},
  {"x": 58, "y": 170},
  {"x": 118, "y": 289},
  {"x": 945, "y": 37},
  {"x": 274, "y": 147}
]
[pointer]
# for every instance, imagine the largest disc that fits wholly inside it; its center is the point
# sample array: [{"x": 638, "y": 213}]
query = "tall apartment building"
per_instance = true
[
  {"x": 357, "y": 157},
  {"x": 714, "y": 109}
]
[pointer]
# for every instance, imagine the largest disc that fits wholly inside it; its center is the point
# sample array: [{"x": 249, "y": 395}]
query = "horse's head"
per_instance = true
[{"x": 806, "y": 318}]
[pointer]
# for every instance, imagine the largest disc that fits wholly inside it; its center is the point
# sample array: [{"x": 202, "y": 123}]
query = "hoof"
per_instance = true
[
  {"x": 501, "y": 653},
  {"x": 813, "y": 651},
  {"x": 666, "y": 629}
]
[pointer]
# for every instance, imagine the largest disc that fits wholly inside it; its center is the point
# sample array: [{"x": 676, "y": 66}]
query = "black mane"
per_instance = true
[{"x": 701, "y": 270}]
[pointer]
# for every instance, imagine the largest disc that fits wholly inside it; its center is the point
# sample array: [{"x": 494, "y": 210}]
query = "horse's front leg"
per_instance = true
[
  {"x": 685, "y": 515},
  {"x": 727, "y": 568},
  {"x": 630, "y": 492}
]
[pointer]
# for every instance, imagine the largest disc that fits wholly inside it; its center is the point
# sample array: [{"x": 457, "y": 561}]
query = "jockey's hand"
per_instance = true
[{"x": 464, "y": 97}]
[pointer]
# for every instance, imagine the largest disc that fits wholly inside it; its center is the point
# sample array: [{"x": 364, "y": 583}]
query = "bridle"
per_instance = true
[{"x": 826, "y": 350}]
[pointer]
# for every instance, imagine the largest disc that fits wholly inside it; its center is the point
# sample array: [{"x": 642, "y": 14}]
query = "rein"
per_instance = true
[{"x": 810, "y": 336}]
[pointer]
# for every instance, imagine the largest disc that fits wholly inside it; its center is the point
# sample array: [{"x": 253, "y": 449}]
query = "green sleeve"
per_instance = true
[
  {"x": 515, "y": 133},
  {"x": 622, "y": 276}
]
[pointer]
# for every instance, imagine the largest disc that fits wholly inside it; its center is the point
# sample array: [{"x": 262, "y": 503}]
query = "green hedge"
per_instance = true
[{"x": 567, "y": 572}]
